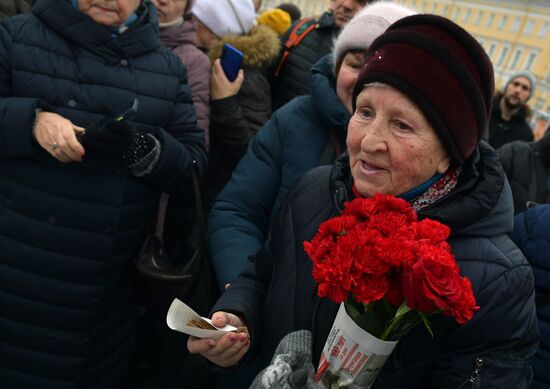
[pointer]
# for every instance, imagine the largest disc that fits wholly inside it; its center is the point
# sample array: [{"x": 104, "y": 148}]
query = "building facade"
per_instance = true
[
  {"x": 308, "y": 7},
  {"x": 515, "y": 35}
]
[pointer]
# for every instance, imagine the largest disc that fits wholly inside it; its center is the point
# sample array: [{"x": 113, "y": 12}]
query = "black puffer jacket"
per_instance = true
[
  {"x": 277, "y": 295},
  {"x": 14, "y": 7},
  {"x": 503, "y": 131},
  {"x": 69, "y": 232},
  {"x": 293, "y": 79},
  {"x": 526, "y": 171}
]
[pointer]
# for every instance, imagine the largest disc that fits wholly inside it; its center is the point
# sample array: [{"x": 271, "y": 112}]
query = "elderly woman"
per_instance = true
[
  {"x": 74, "y": 209},
  {"x": 307, "y": 132},
  {"x": 421, "y": 102}
]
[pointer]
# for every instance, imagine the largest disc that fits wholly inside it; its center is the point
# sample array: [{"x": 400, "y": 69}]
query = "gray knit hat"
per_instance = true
[
  {"x": 366, "y": 26},
  {"x": 523, "y": 73}
]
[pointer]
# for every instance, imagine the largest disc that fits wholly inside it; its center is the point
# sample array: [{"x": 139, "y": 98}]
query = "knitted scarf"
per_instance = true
[{"x": 430, "y": 191}]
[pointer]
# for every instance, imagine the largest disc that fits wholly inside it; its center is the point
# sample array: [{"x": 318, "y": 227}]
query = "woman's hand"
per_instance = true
[
  {"x": 57, "y": 136},
  {"x": 220, "y": 86},
  {"x": 227, "y": 350}
]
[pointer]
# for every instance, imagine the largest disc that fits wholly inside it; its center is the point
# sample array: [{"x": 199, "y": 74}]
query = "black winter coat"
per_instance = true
[
  {"x": 14, "y": 7},
  {"x": 502, "y": 131},
  {"x": 69, "y": 232},
  {"x": 277, "y": 293},
  {"x": 527, "y": 173},
  {"x": 531, "y": 235},
  {"x": 293, "y": 78}
]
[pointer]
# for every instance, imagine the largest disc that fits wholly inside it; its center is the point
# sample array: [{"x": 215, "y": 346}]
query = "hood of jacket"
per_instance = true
[
  {"x": 479, "y": 206},
  {"x": 184, "y": 34},
  {"x": 260, "y": 47},
  {"x": 323, "y": 95},
  {"x": 326, "y": 21},
  {"x": 78, "y": 28}
]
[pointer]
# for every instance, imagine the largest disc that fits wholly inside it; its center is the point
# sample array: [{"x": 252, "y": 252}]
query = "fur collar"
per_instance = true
[{"x": 260, "y": 47}]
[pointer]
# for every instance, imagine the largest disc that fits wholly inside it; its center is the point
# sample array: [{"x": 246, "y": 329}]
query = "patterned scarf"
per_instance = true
[{"x": 427, "y": 193}]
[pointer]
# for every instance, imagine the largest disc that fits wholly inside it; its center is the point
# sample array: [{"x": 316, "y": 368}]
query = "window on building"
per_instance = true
[
  {"x": 543, "y": 30},
  {"x": 490, "y": 20},
  {"x": 515, "y": 24},
  {"x": 529, "y": 27},
  {"x": 456, "y": 13},
  {"x": 491, "y": 50},
  {"x": 467, "y": 16},
  {"x": 503, "y": 54},
  {"x": 531, "y": 60},
  {"x": 434, "y": 8},
  {"x": 445, "y": 10},
  {"x": 515, "y": 59},
  {"x": 479, "y": 17},
  {"x": 503, "y": 22}
]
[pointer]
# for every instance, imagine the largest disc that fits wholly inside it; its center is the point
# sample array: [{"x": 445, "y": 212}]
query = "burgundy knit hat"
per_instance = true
[{"x": 443, "y": 70}]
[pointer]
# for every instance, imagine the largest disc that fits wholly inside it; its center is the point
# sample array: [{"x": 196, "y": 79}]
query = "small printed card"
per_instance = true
[{"x": 182, "y": 318}]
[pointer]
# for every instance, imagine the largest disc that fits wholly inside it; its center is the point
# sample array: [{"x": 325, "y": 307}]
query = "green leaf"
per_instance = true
[
  {"x": 352, "y": 311},
  {"x": 426, "y": 322},
  {"x": 403, "y": 309}
]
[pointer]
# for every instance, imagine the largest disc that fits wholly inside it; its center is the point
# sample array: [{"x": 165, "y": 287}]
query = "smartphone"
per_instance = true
[
  {"x": 231, "y": 61},
  {"x": 117, "y": 114}
]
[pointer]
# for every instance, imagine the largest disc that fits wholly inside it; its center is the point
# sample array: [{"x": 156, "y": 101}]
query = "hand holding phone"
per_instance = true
[
  {"x": 230, "y": 60},
  {"x": 111, "y": 134},
  {"x": 117, "y": 115}
]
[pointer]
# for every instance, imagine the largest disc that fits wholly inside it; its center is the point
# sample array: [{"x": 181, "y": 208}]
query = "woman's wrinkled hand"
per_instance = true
[
  {"x": 220, "y": 86},
  {"x": 57, "y": 136},
  {"x": 226, "y": 351}
]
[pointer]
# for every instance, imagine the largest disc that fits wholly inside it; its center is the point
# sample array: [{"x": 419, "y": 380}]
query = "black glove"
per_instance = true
[
  {"x": 114, "y": 139},
  {"x": 119, "y": 140}
]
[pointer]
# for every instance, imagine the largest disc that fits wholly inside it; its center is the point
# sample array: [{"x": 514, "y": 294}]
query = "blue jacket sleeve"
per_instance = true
[{"x": 239, "y": 220}]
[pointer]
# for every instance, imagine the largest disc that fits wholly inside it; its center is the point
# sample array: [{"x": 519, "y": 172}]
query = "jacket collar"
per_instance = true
[
  {"x": 326, "y": 20},
  {"x": 79, "y": 29},
  {"x": 182, "y": 34},
  {"x": 260, "y": 47}
]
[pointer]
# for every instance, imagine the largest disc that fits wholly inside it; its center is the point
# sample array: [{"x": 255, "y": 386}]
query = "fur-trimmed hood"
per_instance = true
[{"x": 260, "y": 47}]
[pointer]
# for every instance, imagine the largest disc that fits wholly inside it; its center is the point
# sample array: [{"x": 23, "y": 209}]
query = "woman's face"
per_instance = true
[
  {"x": 347, "y": 75},
  {"x": 112, "y": 13},
  {"x": 392, "y": 147},
  {"x": 204, "y": 38},
  {"x": 169, "y": 10}
]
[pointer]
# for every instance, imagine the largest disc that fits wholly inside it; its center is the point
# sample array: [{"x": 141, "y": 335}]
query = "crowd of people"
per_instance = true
[{"x": 108, "y": 104}]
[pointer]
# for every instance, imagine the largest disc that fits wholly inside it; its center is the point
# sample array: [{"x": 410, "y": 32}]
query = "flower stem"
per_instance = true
[{"x": 399, "y": 315}]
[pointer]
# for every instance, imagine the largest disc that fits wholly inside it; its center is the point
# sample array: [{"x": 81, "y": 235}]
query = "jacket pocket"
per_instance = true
[{"x": 488, "y": 372}]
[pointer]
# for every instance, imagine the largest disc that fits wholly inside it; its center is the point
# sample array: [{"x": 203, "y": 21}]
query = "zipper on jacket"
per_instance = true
[{"x": 474, "y": 380}]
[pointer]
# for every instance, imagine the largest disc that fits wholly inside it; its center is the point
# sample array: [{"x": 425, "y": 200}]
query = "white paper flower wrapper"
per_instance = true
[{"x": 352, "y": 357}]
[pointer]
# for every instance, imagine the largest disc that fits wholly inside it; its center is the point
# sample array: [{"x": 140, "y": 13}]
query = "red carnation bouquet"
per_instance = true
[{"x": 391, "y": 272}]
